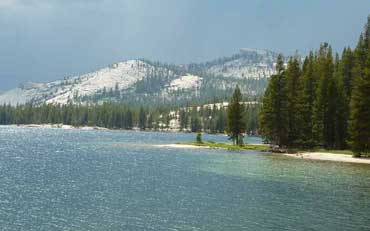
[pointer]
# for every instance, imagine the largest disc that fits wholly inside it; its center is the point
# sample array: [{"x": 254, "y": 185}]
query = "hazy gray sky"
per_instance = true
[{"x": 42, "y": 40}]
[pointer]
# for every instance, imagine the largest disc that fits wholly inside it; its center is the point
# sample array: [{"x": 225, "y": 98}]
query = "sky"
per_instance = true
[{"x": 44, "y": 40}]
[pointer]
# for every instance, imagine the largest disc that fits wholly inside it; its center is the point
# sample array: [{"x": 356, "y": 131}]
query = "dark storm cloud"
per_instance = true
[{"x": 43, "y": 40}]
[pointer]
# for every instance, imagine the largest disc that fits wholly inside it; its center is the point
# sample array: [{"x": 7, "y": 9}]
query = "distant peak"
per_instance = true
[
  {"x": 28, "y": 85},
  {"x": 258, "y": 51}
]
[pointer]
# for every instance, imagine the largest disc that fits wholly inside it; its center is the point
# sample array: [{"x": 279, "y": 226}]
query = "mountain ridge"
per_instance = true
[{"x": 141, "y": 81}]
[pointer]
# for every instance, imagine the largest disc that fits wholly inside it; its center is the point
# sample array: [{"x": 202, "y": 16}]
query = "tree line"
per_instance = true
[
  {"x": 105, "y": 115},
  {"x": 208, "y": 118},
  {"x": 323, "y": 101}
]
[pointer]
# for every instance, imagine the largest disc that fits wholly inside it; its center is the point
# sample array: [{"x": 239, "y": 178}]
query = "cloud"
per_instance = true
[
  {"x": 14, "y": 4},
  {"x": 8, "y": 3}
]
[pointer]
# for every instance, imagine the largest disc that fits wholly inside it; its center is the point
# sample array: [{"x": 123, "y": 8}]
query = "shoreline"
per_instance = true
[
  {"x": 56, "y": 126},
  {"x": 181, "y": 146},
  {"x": 212, "y": 145},
  {"x": 327, "y": 156},
  {"x": 320, "y": 156},
  {"x": 66, "y": 126}
]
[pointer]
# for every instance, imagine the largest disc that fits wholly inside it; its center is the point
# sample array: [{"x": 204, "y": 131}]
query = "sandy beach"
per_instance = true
[
  {"x": 180, "y": 146},
  {"x": 329, "y": 157},
  {"x": 306, "y": 155}
]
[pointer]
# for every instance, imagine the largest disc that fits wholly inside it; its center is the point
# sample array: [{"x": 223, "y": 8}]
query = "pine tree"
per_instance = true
[
  {"x": 360, "y": 113},
  {"x": 274, "y": 113},
  {"x": 128, "y": 119},
  {"x": 341, "y": 107},
  {"x": 183, "y": 119},
  {"x": 359, "y": 125},
  {"x": 306, "y": 99},
  {"x": 150, "y": 121},
  {"x": 251, "y": 120},
  {"x": 235, "y": 114},
  {"x": 293, "y": 73},
  {"x": 195, "y": 122},
  {"x": 221, "y": 121},
  {"x": 346, "y": 66},
  {"x": 142, "y": 119},
  {"x": 324, "y": 104}
]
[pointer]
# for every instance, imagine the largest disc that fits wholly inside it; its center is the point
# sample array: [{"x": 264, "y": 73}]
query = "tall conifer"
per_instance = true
[
  {"x": 306, "y": 100},
  {"x": 274, "y": 113},
  {"x": 235, "y": 114},
  {"x": 324, "y": 105},
  {"x": 293, "y": 73},
  {"x": 359, "y": 126}
]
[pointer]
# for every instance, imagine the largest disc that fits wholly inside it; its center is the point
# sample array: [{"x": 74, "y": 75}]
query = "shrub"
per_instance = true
[{"x": 199, "y": 138}]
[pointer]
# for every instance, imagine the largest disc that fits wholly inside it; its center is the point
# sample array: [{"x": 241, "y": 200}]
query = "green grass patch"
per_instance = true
[
  {"x": 212, "y": 144},
  {"x": 262, "y": 147}
]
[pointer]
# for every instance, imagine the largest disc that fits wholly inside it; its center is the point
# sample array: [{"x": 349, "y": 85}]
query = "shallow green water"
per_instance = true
[{"x": 54, "y": 179}]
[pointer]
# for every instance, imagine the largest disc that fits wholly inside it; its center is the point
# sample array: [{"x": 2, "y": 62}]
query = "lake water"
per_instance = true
[{"x": 53, "y": 179}]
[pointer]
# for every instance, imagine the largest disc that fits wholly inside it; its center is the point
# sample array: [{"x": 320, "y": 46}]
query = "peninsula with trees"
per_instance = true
[{"x": 320, "y": 103}]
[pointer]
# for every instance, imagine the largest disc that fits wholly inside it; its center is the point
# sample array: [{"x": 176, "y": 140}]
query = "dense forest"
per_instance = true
[
  {"x": 209, "y": 118},
  {"x": 322, "y": 102}
]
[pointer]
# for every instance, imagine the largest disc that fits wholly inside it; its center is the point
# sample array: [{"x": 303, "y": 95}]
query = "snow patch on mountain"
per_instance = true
[
  {"x": 185, "y": 82},
  {"x": 249, "y": 64},
  {"x": 17, "y": 96},
  {"x": 237, "y": 70},
  {"x": 120, "y": 75}
]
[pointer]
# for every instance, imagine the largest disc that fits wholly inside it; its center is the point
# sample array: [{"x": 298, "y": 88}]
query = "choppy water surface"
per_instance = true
[{"x": 52, "y": 179}]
